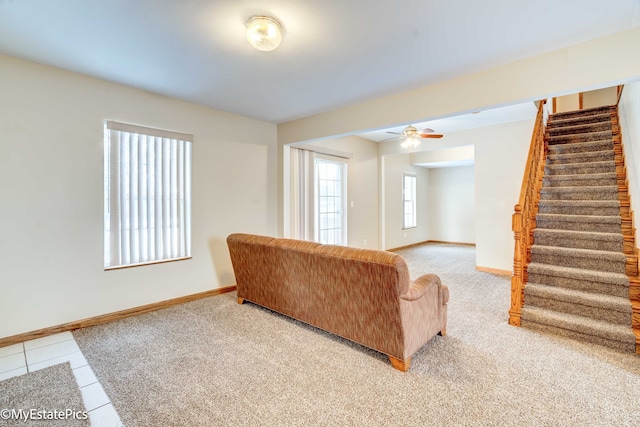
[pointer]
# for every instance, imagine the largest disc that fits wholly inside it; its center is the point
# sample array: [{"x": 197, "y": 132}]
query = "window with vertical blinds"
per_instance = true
[
  {"x": 409, "y": 201},
  {"x": 147, "y": 195}
]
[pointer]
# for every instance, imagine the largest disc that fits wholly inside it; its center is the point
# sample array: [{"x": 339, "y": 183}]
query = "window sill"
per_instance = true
[{"x": 140, "y": 264}]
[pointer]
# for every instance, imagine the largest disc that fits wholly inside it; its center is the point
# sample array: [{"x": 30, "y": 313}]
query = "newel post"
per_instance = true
[{"x": 516, "y": 279}]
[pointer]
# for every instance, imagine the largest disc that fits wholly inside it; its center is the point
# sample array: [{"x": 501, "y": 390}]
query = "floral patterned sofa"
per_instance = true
[{"x": 362, "y": 295}]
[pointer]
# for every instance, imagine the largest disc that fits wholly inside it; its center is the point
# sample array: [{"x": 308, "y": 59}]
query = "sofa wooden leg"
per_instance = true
[
  {"x": 240, "y": 300},
  {"x": 400, "y": 365},
  {"x": 443, "y": 332}
]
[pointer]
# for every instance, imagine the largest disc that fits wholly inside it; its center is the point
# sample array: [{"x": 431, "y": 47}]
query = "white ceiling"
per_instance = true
[
  {"x": 494, "y": 116},
  {"x": 334, "y": 52}
]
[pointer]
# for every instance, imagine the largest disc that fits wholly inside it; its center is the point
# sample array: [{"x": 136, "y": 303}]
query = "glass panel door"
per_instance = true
[{"x": 330, "y": 202}]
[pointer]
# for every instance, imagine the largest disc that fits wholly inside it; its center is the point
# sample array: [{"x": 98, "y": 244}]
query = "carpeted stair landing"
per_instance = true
[{"x": 577, "y": 283}]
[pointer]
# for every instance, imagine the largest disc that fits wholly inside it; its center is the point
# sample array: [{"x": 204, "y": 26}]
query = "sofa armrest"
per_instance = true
[{"x": 421, "y": 285}]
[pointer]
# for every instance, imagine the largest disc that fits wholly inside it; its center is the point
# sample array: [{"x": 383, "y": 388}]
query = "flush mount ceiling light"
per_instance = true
[{"x": 264, "y": 33}]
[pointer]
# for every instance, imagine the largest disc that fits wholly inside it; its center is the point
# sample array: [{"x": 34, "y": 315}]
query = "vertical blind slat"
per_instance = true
[
  {"x": 124, "y": 199},
  {"x": 147, "y": 198},
  {"x": 187, "y": 198},
  {"x": 180, "y": 198},
  {"x": 166, "y": 202},
  {"x": 151, "y": 188},
  {"x": 133, "y": 199},
  {"x": 174, "y": 194},
  {"x": 159, "y": 179}
]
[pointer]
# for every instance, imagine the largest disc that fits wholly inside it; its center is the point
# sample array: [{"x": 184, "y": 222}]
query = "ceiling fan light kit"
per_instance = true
[{"x": 264, "y": 33}]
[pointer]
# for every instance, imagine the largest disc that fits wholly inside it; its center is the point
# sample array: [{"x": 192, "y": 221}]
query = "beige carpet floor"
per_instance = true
[
  {"x": 49, "y": 390},
  {"x": 213, "y": 362}
]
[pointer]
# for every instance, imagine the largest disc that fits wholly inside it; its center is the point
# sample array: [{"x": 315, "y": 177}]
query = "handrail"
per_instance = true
[
  {"x": 524, "y": 218},
  {"x": 620, "y": 89}
]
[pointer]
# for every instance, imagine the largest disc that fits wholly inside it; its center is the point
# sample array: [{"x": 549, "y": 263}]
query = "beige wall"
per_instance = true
[
  {"x": 501, "y": 153},
  {"x": 567, "y": 103},
  {"x": 362, "y": 189},
  {"x": 600, "y": 97},
  {"x": 394, "y": 167},
  {"x": 629, "y": 110},
  {"x": 452, "y": 204},
  {"x": 51, "y": 218}
]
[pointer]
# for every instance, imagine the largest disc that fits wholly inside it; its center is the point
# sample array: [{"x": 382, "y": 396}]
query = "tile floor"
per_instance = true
[{"x": 40, "y": 353}]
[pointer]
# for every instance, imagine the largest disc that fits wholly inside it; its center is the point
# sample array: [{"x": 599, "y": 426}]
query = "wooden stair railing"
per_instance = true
[{"x": 524, "y": 218}]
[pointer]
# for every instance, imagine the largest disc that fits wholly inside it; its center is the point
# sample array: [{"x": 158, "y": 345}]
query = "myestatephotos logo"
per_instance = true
[{"x": 42, "y": 414}]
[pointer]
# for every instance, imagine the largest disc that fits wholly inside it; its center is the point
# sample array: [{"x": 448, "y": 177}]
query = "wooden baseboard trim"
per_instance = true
[
  {"x": 494, "y": 271},
  {"x": 413, "y": 245},
  {"x": 110, "y": 317},
  {"x": 451, "y": 243}
]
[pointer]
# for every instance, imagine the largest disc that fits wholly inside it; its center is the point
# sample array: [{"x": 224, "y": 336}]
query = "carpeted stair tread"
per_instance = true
[
  {"x": 579, "y": 239},
  {"x": 583, "y": 325},
  {"x": 555, "y": 122},
  {"x": 617, "y": 279},
  {"x": 579, "y": 137},
  {"x": 580, "y": 113},
  {"x": 609, "y": 192},
  {"x": 582, "y": 218},
  {"x": 619, "y": 304},
  {"x": 580, "y": 128},
  {"x": 595, "y": 223},
  {"x": 582, "y": 157},
  {"x": 580, "y": 207},
  {"x": 579, "y": 258},
  {"x": 581, "y": 147},
  {"x": 606, "y": 166},
  {"x": 580, "y": 180}
]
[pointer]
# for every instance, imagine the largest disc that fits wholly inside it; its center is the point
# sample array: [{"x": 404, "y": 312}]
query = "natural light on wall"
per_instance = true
[{"x": 147, "y": 195}]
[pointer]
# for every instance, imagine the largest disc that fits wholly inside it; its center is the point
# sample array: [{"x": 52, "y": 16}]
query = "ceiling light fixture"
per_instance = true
[
  {"x": 411, "y": 139},
  {"x": 264, "y": 33},
  {"x": 410, "y": 142}
]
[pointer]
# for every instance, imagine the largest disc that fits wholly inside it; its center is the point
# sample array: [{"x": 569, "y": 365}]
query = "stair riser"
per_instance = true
[
  {"x": 586, "y": 263},
  {"x": 580, "y": 285},
  {"x": 577, "y": 210},
  {"x": 596, "y": 313},
  {"x": 563, "y": 242},
  {"x": 582, "y": 168},
  {"x": 581, "y": 137},
  {"x": 579, "y": 226},
  {"x": 576, "y": 129},
  {"x": 561, "y": 181},
  {"x": 594, "y": 156},
  {"x": 580, "y": 148},
  {"x": 578, "y": 336},
  {"x": 578, "y": 193}
]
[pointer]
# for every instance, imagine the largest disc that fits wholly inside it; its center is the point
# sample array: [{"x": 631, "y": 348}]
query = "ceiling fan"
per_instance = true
[
  {"x": 412, "y": 132},
  {"x": 412, "y": 135}
]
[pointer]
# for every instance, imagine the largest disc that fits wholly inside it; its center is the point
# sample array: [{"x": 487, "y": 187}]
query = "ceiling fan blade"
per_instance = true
[
  {"x": 426, "y": 130},
  {"x": 431, "y": 135},
  {"x": 395, "y": 133}
]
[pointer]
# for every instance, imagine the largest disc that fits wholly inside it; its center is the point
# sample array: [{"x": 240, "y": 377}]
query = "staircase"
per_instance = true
[{"x": 583, "y": 254}]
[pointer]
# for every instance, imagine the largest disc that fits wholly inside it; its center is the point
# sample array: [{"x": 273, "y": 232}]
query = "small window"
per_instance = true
[
  {"x": 409, "y": 200},
  {"x": 147, "y": 195}
]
